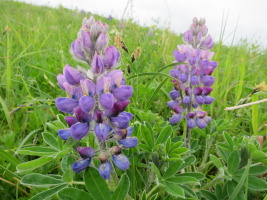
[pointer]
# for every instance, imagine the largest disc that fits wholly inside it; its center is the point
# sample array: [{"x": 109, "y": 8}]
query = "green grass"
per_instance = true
[{"x": 37, "y": 48}]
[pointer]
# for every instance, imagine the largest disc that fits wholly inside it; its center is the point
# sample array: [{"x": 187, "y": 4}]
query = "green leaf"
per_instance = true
[
  {"x": 258, "y": 184},
  {"x": 33, "y": 164},
  {"x": 208, "y": 195},
  {"x": 74, "y": 194},
  {"x": 40, "y": 180},
  {"x": 164, "y": 135},
  {"x": 148, "y": 136},
  {"x": 37, "y": 151},
  {"x": 122, "y": 189},
  {"x": 145, "y": 148},
  {"x": 240, "y": 182},
  {"x": 154, "y": 197},
  {"x": 96, "y": 185},
  {"x": 48, "y": 193},
  {"x": 216, "y": 161},
  {"x": 66, "y": 162},
  {"x": 257, "y": 155},
  {"x": 229, "y": 140},
  {"x": 182, "y": 180},
  {"x": 9, "y": 157},
  {"x": 50, "y": 140},
  {"x": 189, "y": 192},
  {"x": 68, "y": 175},
  {"x": 174, "y": 190},
  {"x": 180, "y": 150},
  {"x": 219, "y": 191},
  {"x": 254, "y": 170},
  {"x": 196, "y": 175},
  {"x": 175, "y": 146},
  {"x": 233, "y": 161},
  {"x": 157, "y": 172},
  {"x": 173, "y": 169}
]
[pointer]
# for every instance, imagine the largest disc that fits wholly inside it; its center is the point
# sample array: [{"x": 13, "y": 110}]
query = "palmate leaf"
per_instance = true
[
  {"x": 50, "y": 140},
  {"x": 164, "y": 134},
  {"x": 173, "y": 189},
  {"x": 233, "y": 161},
  {"x": 96, "y": 185}
]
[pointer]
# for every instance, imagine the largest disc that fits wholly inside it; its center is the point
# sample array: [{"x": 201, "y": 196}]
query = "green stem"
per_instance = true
[
  {"x": 152, "y": 191},
  {"x": 212, "y": 183}
]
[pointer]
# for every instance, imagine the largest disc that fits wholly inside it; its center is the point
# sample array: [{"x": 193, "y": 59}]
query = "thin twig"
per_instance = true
[
  {"x": 246, "y": 105},
  {"x": 10, "y": 183}
]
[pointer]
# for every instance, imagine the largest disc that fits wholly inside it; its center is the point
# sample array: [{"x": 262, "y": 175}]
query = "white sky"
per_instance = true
[{"x": 250, "y": 16}]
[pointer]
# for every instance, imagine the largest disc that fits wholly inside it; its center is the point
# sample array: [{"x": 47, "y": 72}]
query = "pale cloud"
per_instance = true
[{"x": 177, "y": 14}]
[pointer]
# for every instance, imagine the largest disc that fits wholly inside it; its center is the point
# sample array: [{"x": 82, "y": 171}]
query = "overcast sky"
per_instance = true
[{"x": 248, "y": 15}]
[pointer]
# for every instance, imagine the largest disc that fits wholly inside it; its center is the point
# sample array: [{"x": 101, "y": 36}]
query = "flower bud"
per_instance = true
[
  {"x": 76, "y": 50},
  {"x": 64, "y": 134},
  {"x": 121, "y": 161},
  {"x": 86, "y": 152},
  {"x": 71, "y": 120},
  {"x": 123, "y": 93},
  {"x": 106, "y": 100},
  {"x": 86, "y": 103},
  {"x": 72, "y": 76},
  {"x": 101, "y": 131},
  {"x": 129, "y": 142},
  {"x": 176, "y": 118},
  {"x": 81, "y": 165},
  {"x": 105, "y": 170},
  {"x": 66, "y": 105},
  {"x": 97, "y": 64}
]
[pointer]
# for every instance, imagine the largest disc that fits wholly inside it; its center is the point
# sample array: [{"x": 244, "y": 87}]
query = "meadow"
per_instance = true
[{"x": 225, "y": 160}]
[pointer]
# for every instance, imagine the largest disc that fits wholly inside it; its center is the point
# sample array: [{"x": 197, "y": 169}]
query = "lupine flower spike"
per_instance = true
[
  {"x": 96, "y": 100},
  {"x": 193, "y": 80}
]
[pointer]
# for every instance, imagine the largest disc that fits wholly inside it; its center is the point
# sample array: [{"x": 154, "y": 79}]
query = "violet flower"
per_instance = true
[
  {"x": 193, "y": 80},
  {"x": 96, "y": 99}
]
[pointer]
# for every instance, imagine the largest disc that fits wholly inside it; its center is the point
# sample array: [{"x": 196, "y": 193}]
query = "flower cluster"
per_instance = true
[
  {"x": 193, "y": 80},
  {"x": 96, "y": 99}
]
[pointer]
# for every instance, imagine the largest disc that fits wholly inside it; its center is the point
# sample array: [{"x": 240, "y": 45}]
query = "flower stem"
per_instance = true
[{"x": 152, "y": 191}]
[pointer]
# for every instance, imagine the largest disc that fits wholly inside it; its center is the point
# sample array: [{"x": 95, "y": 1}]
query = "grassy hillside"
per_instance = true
[{"x": 34, "y": 48}]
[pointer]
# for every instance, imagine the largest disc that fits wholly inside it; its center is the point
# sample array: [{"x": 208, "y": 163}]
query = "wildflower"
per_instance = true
[
  {"x": 96, "y": 99},
  {"x": 193, "y": 80}
]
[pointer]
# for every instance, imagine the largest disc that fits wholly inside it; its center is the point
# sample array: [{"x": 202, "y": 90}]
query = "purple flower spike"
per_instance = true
[
  {"x": 66, "y": 105},
  {"x": 79, "y": 130},
  {"x": 72, "y": 76},
  {"x": 111, "y": 57},
  {"x": 129, "y": 142},
  {"x": 121, "y": 161},
  {"x": 81, "y": 165},
  {"x": 107, "y": 100},
  {"x": 208, "y": 80},
  {"x": 64, "y": 134},
  {"x": 123, "y": 93},
  {"x": 71, "y": 120},
  {"x": 176, "y": 118},
  {"x": 86, "y": 103},
  {"x": 61, "y": 79},
  {"x": 86, "y": 152},
  {"x": 76, "y": 50},
  {"x": 101, "y": 131},
  {"x": 97, "y": 64},
  {"x": 105, "y": 170}
]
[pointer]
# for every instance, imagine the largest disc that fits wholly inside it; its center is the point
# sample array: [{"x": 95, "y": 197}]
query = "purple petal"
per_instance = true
[
  {"x": 129, "y": 142},
  {"x": 98, "y": 116},
  {"x": 183, "y": 77},
  {"x": 118, "y": 107},
  {"x": 76, "y": 50},
  {"x": 64, "y": 134},
  {"x": 72, "y": 76},
  {"x": 121, "y": 161},
  {"x": 208, "y": 99},
  {"x": 206, "y": 90},
  {"x": 97, "y": 64},
  {"x": 79, "y": 130},
  {"x": 116, "y": 78},
  {"x": 103, "y": 85},
  {"x": 101, "y": 131},
  {"x": 199, "y": 99},
  {"x": 71, "y": 120},
  {"x": 105, "y": 170},
  {"x": 101, "y": 42},
  {"x": 83, "y": 117},
  {"x": 201, "y": 123},
  {"x": 88, "y": 87},
  {"x": 66, "y": 105},
  {"x": 186, "y": 99},
  {"x": 208, "y": 80},
  {"x": 86, "y": 152},
  {"x": 176, "y": 118},
  {"x": 174, "y": 94},
  {"x": 180, "y": 57},
  {"x": 81, "y": 165},
  {"x": 190, "y": 123},
  {"x": 197, "y": 91},
  {"x": 87, "y": 42},
  {"x": 111, "y": 57},
  {"x": 123, "y": 93},
  {"x": 86, "y": 103},
  {"x": 106, "y": 100},
  {"x": 194, "y": 80},
  {"x": 61, "y": 79}
]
